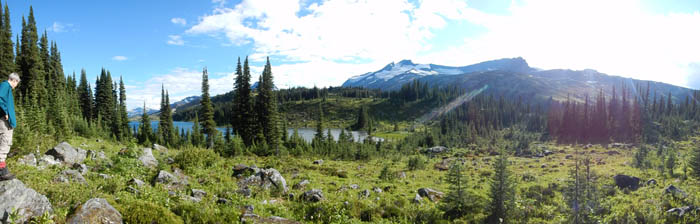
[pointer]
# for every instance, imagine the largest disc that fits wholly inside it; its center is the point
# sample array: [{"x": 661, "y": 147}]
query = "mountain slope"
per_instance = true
[
  {"x": 394, "y": 75},
  {"x": 513, "y": 78}
]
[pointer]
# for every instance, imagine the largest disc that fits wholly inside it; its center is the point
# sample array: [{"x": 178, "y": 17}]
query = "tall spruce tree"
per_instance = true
[
  {"x": 502, "y": 191},
  {"x": 207, "y": 111},
  {"x": 244, "y": 120},
  {"x": 458, "y": 202},
  {"x": 126, "y": 131},
  {"x": 145, "y": 130},
  {"x": 266, "y": 108},
  {"x": 85, "y": 95},
  {"x": 319, "y": 137},
  {"x": 167, "y": 135},
  {"x": 30, "y": 63},
  {"x": 197, "y": 136},
  {"x": 7, "y": 54},
  {"x": 104, "y": 100}
]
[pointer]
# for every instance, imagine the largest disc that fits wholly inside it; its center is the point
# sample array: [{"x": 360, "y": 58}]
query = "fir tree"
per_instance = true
[
  {"x": 122, "y": 109},
  {"x": 144, "y": 134},
  {"x": 502, "y": 191},
  {"x": 319, "y": 137},
  {"x": 7, "y": 54},
  {"x": 197, "y": 136},
  {"x": 30, "y": 63},
  {"x": 85, "y": 95},
  {"x": 266, "y": 108},
  {"x": 458, "y": 202},
  {"x": 207, "y": 111},
  {"x": 104, "y": 99},
  {"x": 243, "y": 120},
  {"x": 695, "y": 162}
]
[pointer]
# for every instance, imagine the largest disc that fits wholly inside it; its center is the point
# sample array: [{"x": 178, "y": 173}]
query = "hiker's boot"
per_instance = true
[{"x": 5, "y": 173}]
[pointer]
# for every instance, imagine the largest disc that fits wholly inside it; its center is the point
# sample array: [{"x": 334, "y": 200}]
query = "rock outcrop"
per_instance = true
[
  {"x": 14, "y": 196},
  {"x": 313, "y": 195},
  {"x": 65, "y": 153},
  {"x": 96, "y": 210},
  {"x": 264, "y": 178},
  {"x": 431, "y": 194},
  {"x": 147, "y": 158}
]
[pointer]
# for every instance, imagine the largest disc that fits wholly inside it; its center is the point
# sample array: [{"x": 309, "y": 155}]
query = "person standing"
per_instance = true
[{"x": 8, "y": 123}]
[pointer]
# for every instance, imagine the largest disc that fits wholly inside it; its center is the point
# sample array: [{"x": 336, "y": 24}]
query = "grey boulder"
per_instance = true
[
  {"x": 14, "y": 196},
  {"x": 147, "y": 158},
  {"x": 65, "y": 153},
  {"x": 431, "y": 194},
  {"x": 96, "y": 210},
  {"x": 313, "y": 195}
]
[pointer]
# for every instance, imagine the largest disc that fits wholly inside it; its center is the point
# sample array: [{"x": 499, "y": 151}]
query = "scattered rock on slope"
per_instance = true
[
  {"x": 147, "y": 158},
  {"x": 25, "y": 201},
  {"x": 96, "y": 210},
  {"x": 65, "y": 153},
  {"x": 431, "y": 194},
  {"x": 264, "y": 178}
]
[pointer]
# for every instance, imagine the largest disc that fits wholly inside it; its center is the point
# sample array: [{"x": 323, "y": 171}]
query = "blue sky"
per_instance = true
[{"x": 323, "y": 43}]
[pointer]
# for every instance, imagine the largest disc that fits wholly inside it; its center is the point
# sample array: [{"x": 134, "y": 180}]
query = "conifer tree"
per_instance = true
[
  {"x": 502, "y": 191},
  {"x": 122, "y": 109},
  {"x": 266, "y": 108},
  {"x": 144, "y": 134},
  {"x": 7, "y": 54},
  {"x": 30, "y": 63},
  {"x": 319, "y": 137},
  {"x": 197, "y": 136},
  {"x": 243, "y": 120},
  {"x": 458, "y": 202},
  {"x": 167, "y": 135},
  {"x": 695, "y": 161},
  {"x": 104, "y": 99},
  {"x": 85, "y": 95},
  {"x": 207, "y": 111}
]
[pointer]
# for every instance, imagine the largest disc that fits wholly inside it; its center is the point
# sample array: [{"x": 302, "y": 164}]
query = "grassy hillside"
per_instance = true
[{"x": 539, "y": 199}]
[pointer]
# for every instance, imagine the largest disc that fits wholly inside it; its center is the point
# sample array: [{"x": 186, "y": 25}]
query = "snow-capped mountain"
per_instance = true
[
  {"x": 137, "y": 112},
  {"x": 187, "y": 100},
  {"x": 394, "y": 75}
]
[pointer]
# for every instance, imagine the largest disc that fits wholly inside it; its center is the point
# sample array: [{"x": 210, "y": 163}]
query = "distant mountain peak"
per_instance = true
[{"x": 395, "y": 74}]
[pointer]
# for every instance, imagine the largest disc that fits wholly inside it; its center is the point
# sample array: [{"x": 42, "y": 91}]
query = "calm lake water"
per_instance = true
[{"x": 306, "y": 133}]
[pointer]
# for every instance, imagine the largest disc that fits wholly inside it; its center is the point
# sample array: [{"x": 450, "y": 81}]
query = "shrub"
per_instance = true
[
  {"x": 190, "y": 158},
  {"x": 192, "y": 213},
  {"x": 416, "y": 163},
  {"x": 386, "y": 174},
  {"x": 139, "y": 211}
]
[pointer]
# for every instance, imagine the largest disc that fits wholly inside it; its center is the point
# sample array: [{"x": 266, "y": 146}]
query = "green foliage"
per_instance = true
[
  {"x": 139, "y": 211},
  {"x": 459, "y": 202},
  {"x": 502, "y": 192},
  {"x": 243, "y": 114},
  {"x": 207, "y": 111},
  {"x": 266, "y": 109},
  {"x": 416, "y": 163},
  {"x": 195, "y": 213},
  {"x": 387, "y": 174},
  {"x": 192, "y": 158}
]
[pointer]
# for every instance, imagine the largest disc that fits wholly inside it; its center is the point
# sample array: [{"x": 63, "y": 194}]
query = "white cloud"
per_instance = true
[
  {"x": 58, "y": 27},
  {"x": 180, "y": 83},
  {"x": 175, "y": 40},
  {"x": 335, "y": 39},
  {"x": 333, "y": 33},
  {"x": 178, "y": 21},
  {"x": 614, "y": 37},
  {"x": 119, "y": 58}
]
